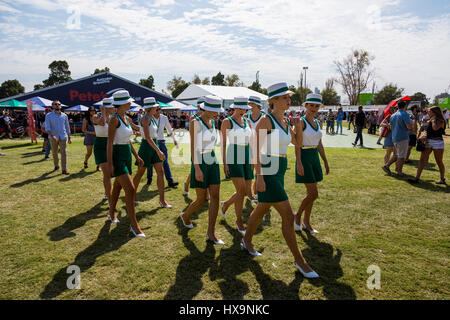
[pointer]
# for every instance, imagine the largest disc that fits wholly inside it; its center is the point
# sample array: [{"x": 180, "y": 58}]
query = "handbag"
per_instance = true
[{"x": 420, "y": 146}]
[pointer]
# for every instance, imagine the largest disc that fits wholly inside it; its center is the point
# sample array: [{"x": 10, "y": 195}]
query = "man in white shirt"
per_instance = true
[{"x": 163, "y": 123}]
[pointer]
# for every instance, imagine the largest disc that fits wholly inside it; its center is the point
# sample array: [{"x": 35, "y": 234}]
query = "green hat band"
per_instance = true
[
  {"x": 240, "y": 103},
  {"x": 107, "y": 103},
  {"x": 216, "y": 106},
  {"x": 252, "y": 100},
  {"x": 121, "y": 99},
  {"x": 271, "y": 94},
  {"x": 150, "y": 104},
  {"x": 313, "y": 100}
]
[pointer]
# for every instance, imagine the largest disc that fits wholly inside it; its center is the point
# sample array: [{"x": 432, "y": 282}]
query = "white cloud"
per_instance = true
[{"x": 275, "y": 37}]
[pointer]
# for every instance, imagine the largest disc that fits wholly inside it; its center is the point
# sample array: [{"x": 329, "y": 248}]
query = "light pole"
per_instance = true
[{"x": 305, "y": 68}]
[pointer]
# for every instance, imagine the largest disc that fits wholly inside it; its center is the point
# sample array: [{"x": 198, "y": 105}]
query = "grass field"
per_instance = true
[{"x": 49, "y": 221}]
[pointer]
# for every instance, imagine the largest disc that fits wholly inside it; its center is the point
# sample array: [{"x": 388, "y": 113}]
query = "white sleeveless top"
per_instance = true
[
  {"x": 101, "y": 131},
  {"x": 254, "y": 123},
  {"x": 205, "y": 138},
  {"x": 238, "y": 134},
  {"x": 278, "y": 139},
  {"x": 153, "y": 128},
  {"x": 311, "y": 136},
  {"x": 123, "y": 132}
]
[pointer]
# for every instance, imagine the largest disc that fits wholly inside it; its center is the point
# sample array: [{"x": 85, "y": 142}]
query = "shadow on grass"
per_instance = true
[
  {"x": 107, "y": 241},
  {"x": 65, "y": 230},
  {"x": 18, "y": 146},
  {"x": 32, "y": 154},
  {"x": 430, "y": 186},
  {"x": 79, "y": 175},
  {"x": 35, "y": 161},
  {"x": 190, "y": 270},
  {"x": 44, "y": 176},
  {"x": 321, "y": 258},
  {"x": 233, "y": 261},
  {"x": 415, "y": 163}
]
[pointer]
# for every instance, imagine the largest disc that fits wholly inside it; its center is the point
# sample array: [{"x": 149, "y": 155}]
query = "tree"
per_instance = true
[
  {"x": 233, "y": 81},
  {"x": 206, "y": 81},
  {"x": 329, "y": 95},
  {"x": 106, "y": 69},
  {"x": 179, "y": 89},
  {"x": 59, "y": 73},
  {"x": 196, "y": 79},
  {"x": 218, "y": 80},
  {"x": 256, "y": 86},
  {"x": 419, "y": 96},
  {"x": 387, "y": 94},
  {"x": 354, "y": 74},
  {"x": 299, "y": 95},
  {"x": 11, "y": 88},
  {"x": 175, "y": 82},
  {"x": 149, "y": 82}
]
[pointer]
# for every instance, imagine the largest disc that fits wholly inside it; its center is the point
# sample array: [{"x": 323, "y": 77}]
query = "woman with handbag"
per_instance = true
[{"x": 434, "y": 142}]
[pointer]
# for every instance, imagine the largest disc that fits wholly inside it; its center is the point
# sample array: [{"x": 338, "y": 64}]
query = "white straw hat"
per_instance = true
[
  {"x": 313, "y": 98},
  {"x": 213, "y": 103},
  {"x": 121, "y": 97},
  {"x": 278, "y": 89},
  {"x": 240, "y": 103},
  {"x": 107, "y": 103},
  {"x": 150, "y": 103},
  {"x": 256, "y": 100},
  {"x": 200, "y": 102}
]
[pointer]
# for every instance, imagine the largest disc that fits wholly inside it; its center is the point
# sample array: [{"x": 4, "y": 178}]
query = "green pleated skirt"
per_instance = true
[
  {"x": 148, "y": 154},
  {"x": 273, "y": 170},
  {"x": 210, "y": 169},
  {"x": 311, "y": 166},
  {"x": 239, "y": 161},
  {"x": 121, "y": 159},
  {"x": 100, "y": 153}
]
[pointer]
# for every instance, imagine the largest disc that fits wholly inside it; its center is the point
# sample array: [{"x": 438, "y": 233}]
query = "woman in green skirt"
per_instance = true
[
  {"x": 273, "y": 135},
  {"x": 101, "y": 137},
  {"x": 308, "y": 168},
  {"x": 119, "y": 150},
  {"x": 236, "y": 158},
  {"x": 205, "y": 171},
  {"x": 149, "y": 151}
]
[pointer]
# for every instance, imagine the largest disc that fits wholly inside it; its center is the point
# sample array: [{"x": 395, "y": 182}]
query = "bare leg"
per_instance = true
[
  {"x": 195, "y": 205},
  {"x": 160, "y": 181},
  {"x": 186, "y": 183},
  {"x": 425, "y": 155},
  {"x": 438, "y": 156},
  {"x": 88, "y": 153},
  {"x": 311, "y": 195},
  {"x": 130, "y": 194},
  {"x": 137, "y": 179},
  {"x": 214, "y": 194},
  {"x": 387, "y": 156},
  {"x": 253, "y": 222},
  {"x": 114, "y": 198},
  {"x": 287, "y": 216},
  {"x": 106, "y": 181}
]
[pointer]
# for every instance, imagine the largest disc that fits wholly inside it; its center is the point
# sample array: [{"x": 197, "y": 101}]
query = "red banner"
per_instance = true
[{"x": 31, "y": 127}]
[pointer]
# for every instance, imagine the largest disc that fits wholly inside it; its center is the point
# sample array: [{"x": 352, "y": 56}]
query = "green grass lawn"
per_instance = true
[{"x": 49, "y": 221}]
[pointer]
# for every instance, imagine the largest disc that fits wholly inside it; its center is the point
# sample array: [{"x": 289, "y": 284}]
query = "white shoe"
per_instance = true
[
  {"x": 168, "y": 206},
  {"x": 219, "y": 242},
  {"x": 309, "y": 275},
  {"x": 137, "y": 235},
  {"x": 113, "y": 221},
  {"x": 296, "y": 226},
  {"x": 186, "y": 193},
  {"x": 252, "y": 200},
  {"x": 240, "y": 231},
  {"x": 255, "y": 253},
  {"x": 189, "y": 226},
  {"x": 224, "y": 215},
  {"x": 136, "y": 203},
  {"x": 312, "y": 231}
]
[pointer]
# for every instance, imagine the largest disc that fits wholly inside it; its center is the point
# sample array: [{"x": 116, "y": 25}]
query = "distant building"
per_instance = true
[
  {"x": 227, "y": 94},
  {"x": 316, "y": 91}
]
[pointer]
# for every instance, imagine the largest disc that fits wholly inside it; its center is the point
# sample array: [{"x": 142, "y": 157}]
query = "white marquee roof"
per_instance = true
[{"x": 195, "y": 91}]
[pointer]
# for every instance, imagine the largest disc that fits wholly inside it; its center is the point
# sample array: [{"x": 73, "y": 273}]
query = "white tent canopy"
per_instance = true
[
  {"x": 195, "y": 91},
  {"x": 79, "y": 108}
]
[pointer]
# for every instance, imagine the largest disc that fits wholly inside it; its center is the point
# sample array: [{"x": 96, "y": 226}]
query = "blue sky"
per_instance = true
[{"x": 410, "y": 40}]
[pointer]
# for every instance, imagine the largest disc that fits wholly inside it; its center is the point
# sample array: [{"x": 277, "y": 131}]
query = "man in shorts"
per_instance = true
[
  {"x": 413, "y": 133},
  {"x": 401, "y": 126}
]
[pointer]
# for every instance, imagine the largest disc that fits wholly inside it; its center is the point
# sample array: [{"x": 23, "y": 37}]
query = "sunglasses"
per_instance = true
[{"x": 56, "y": 104}]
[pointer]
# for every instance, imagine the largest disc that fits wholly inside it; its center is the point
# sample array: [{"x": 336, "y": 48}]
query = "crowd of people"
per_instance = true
[{"x": 254, "y": 150}]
